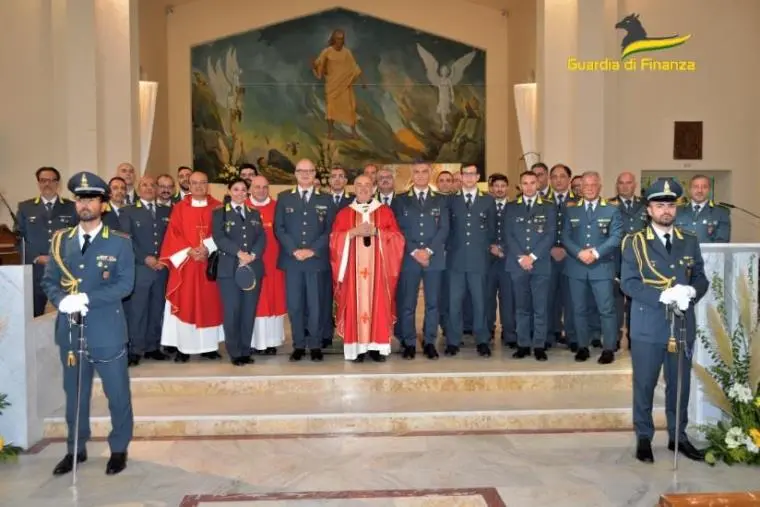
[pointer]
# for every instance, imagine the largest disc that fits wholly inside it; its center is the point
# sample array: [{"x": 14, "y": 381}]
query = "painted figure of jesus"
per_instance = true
[{"x": 336, "y": 64}]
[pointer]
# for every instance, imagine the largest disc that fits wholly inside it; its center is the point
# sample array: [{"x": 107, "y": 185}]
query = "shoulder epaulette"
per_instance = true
[
  {"x": 571, "y": 204},
  {"x": 613, "y": 199},
  {"x": 613, "y": 203},
  {"x": 685, "y": 232},
  {"x": 721, "y": 205},
  {"x": 682, "y": 201},
  {"x": 121, "y": 234}
]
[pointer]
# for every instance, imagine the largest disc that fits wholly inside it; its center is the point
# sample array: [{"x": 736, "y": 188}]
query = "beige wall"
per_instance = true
[
  {"x": 205, "y": 20},
  {"x": 723, "y": 92},
  {"x": 153, "y": 61}
]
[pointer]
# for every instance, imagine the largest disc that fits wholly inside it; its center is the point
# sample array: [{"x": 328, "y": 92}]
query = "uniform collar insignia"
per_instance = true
[
  {"x": 678, "y": 233},
  {"x": 138, "y": 204},
  {"x": 650, "y": 233},
  {"x": 602, "y": 202},
  {"x": 711, "y": 203},
  {"x": 227, "y": 207},
  {"x": 108, "y": 207},
  {"x": 73, "y": 232},
  {"x": 539, "y": 200},
  {"x": 104, "y": 232},
  {"x": 37, "y": 200},
  {"x": 520, "y": 200}
]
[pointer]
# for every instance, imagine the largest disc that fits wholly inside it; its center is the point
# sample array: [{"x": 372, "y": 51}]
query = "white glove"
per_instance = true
[
  {"x": 690, "y": 291},
  {"x": 682, "y": 296},
  {"x": 84, "y": 301},
  {"x": 70, "y": 304},
  {"x": 667, "y": 296}
]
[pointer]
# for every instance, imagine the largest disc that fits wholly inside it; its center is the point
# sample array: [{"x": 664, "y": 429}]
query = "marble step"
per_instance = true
[
  {"x": 395, "y": 412},
  {"x": 276, "y": 376}
]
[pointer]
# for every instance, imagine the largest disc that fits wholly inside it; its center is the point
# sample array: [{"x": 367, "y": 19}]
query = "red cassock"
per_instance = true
[
  {"x": 194, "y": 299},
  {"x": 366, "y": 296},
  {"x": 272, "y": 296}
]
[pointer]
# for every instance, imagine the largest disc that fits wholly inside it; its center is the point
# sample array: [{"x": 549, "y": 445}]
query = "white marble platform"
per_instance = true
[{"x": 30, "y": 371}]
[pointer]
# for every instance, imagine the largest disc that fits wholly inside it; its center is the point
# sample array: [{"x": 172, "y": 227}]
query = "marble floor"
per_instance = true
[{"x": 581, "y": 469}]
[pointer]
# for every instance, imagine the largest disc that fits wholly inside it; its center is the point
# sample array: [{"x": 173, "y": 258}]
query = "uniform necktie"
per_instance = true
[
  {"x": 668, "y": 244},
  {"x": 86, "y": 243},
  {"x": 239, "y": 211},
  {"x": 128, "y": 199},
  {"x": 385, "y": 201},
  {"x": 500, "y": 206},
  {"x": 422, "y": 198},
  {"x": 152, "y": 210},
  {"x": 49, "y": 206},
  {"x": 627, "y": 205},
  {"x": 304, "y": 195},
  {"x": 589, "y": 210},
  {"x": 697, "y": 207},
  {"x": 469, "y": 200},
  {"x": 337, "y": 199},
  {"x": 528, "y": 205},
  {"x": 560, "y": 199}
]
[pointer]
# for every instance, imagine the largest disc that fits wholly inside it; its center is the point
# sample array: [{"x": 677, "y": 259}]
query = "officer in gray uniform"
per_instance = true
[
  {"x": 91, "y": 270},
  {"x": 146, "y": 223},
  {"x": 423, "y": 218},
  {"x": 499, "y": 284},
  {"x": 633, "y": 212},
  {"x": 591, "y": 234},
  {"x": 239, "y": 234},
  {"x": 117, "y": 189},
  {"x": 709, "y": 221},
  {"x": 37, "y": 220},
  {"x": 657, "y": 261},
  {"x": 302, "y": 223},
  {"x": 472, "y": 233},
  {"x": 531, "y": 231}
]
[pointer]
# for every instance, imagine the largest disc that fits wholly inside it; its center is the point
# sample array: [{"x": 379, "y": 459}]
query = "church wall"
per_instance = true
[
  {"x": 722, "y": 92},
  {"x": 205, "y": 20}
]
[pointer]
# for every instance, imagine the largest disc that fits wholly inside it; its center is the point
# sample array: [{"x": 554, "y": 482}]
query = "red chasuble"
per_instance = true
[
  {"x": 272, "y": 297},
  {"x": 365, "y": 278},
  {"x": 193, "y": 298}
]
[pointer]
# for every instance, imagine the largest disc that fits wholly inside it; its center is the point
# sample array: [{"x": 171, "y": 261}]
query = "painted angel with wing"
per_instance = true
[
  {"x": 444, "y": 78},
  {"x": 224, "y": 80}
]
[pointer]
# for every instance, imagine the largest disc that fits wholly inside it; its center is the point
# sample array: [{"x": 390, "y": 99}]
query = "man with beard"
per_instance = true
[
  {"x": 247, "y": 172},
  {"x": 662, "y": 267},
  {"x": 499, "y": 283},
  {"x": 92, "y": 269},
  {"x": 112, "y": 209},
  {"x": 166, "y": 189},
  {"x": 183, "y": 179}
]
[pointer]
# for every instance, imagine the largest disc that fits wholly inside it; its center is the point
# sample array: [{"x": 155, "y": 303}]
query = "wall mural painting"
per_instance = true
[{"x": 337, "y": 87}]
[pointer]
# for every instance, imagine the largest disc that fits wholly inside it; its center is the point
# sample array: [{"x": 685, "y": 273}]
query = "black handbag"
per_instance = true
[{"x": 213, "y": 259}]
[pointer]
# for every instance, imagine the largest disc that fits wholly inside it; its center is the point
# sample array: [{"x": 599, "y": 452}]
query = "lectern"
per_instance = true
[{"x": 723, "y": 263}]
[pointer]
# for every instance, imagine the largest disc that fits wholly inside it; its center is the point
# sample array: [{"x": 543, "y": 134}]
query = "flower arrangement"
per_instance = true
[
  {"x": 732, "y": 383},
  {"x": 7, "y": 450},
  {"x": 228, "y": 173}
]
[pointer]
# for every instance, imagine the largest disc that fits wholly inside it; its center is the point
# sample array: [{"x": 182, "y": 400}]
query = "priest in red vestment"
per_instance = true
[
  {"x": 366, "y": 249},
  {"x": 269, "y": 327},
  {"x": 193, "y": 311}
]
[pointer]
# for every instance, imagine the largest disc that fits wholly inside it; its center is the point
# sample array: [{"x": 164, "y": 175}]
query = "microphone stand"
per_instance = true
[{"x": 733, "y": 206}]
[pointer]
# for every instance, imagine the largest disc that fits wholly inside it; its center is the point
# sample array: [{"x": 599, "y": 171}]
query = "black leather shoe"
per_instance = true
[
  {"x": 484, "y": 350},
  {"x": 156, "y": 355},
  {"x": 116, "y": 463},
  {"x": 597, "y": 344},
  {"x": 270, "y": 351},
  {"x": 170, "y": 350},
  {"x": 573, "y": 348},
  {"x": 644, "y": 451},
  {"x": 376, "y": 356},
  {"x": 409, "y": 352},
  {"x": 521, "y": 352},
  {"x": 134, "y": 360},
  {"x": 430, "y": 351},
  {"x": 582, "y": 355},
  {"x": 66, "y": 465},
  {"x": 511, "y": 345},
  {"x": 607, "y": 357},
  {"x": 548, "y": 345},
  {"x": 687, "y": 449},
  {"x": 316, "y": 355},
  {"x": 326, "y": 343},
  {"x": 360, "y": 358},
  {"x": 211, "y": 355},
  {"x": 451, "y": 350},
  {"x": 297, "y": 354},
  {"x": 540, "y": 354},
  {"x": 181, "y": 358}
]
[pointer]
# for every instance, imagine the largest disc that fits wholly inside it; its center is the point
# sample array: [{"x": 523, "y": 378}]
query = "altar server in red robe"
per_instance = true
[
  {"x": 366, "y": 249},
  {"x": 269, "y": 328},
  {"x": 193, "y": 311}
]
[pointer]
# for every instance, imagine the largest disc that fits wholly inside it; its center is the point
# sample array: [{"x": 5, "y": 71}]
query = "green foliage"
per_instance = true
[
  {"x": 8, "y": 452},
  {"x": 730, "y": 382}
]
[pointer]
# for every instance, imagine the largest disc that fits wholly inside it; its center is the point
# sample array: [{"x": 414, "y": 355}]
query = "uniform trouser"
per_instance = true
[
  {"x": 397, "y": 331},
  {"x": 444, "y": 310},
  {"x": 602, "y": 294},
  {"x": 410, "y": 281},
  {"x": 239, "y": 316},
  {"x": 647, "y": 359},
  {"x": 531, "y": 306},
  {"x": 499, "y": 288},
  {"x": 594, "y": 319},
  {"x": 622, "y": 308},
  {"x": 111, "y": 365},
  {"x": 145, "y": 313},
  {"x": 303, "y": 296},
  {"x": 39, "y": 298},
  {"x": 560, "y": 305},
  {"x": 460, "y": 284}
]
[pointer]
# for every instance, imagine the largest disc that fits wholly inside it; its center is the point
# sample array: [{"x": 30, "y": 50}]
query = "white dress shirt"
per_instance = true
[
  {"x": 309, "y": 192},
  {"x": 93, "y": 233},
  {"x": 52, "y": 201},
  {"x": 661, "y": 232}
]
